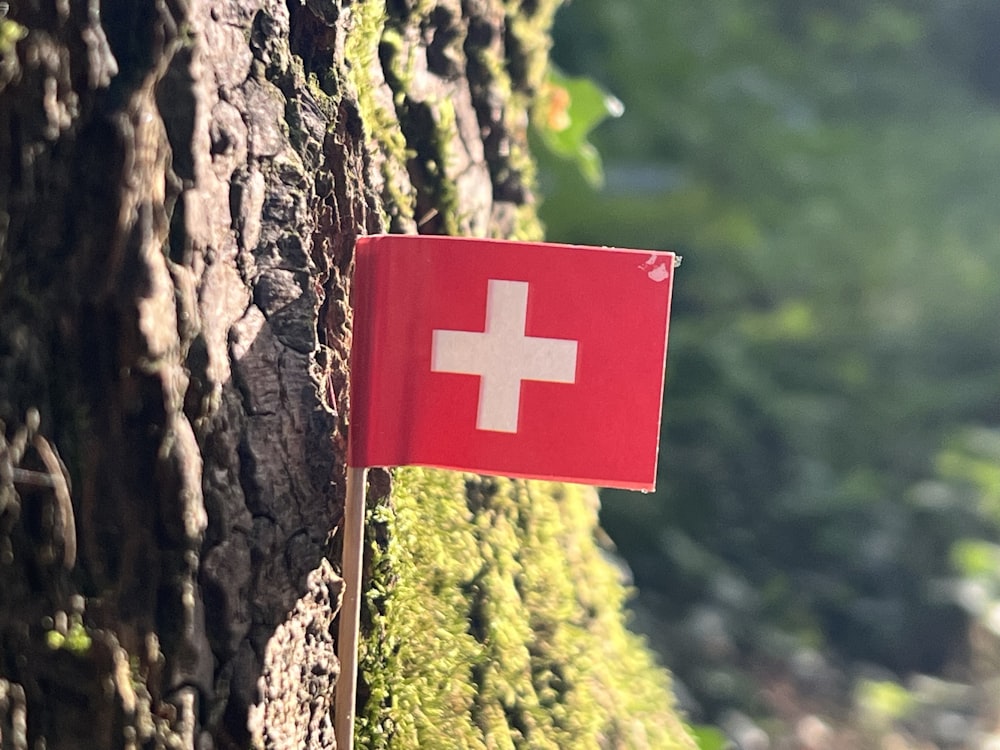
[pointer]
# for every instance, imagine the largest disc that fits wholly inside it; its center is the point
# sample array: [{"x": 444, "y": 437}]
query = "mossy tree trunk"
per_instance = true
[{"x": 180, "y": 185}]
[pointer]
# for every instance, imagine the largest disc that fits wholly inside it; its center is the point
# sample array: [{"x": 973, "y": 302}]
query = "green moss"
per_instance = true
[
  {"x": 361, "y": 46},
  {"x": 54, "y": 639},
  {"x": 439, "y": 151},
  {"x": 412, "y": 135},
  {"x": 367, "y": 36},
  {"x": 528, "y": 43},
  {"x": 491, "y": 617},
  {"x": 527, "y": 225},
  {"x": 76, "y": 639},
  {"x": 10, "y": 34},
  {"x": 398, "y": 70},
  {"x": 430, "y": 124},
  {"x": 496, "y": 622}
]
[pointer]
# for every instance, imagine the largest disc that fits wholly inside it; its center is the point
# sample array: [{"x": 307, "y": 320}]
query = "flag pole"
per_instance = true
[{"x": 350, "y": 608}]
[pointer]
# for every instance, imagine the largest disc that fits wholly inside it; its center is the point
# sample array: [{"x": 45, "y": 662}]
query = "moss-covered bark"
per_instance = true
[
  {"x": 505, "y": 627},
  {"x": 180, "y": 186}
]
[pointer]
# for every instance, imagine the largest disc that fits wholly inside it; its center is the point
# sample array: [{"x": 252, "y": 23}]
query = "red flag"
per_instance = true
[{"x": 520, "y": 359}]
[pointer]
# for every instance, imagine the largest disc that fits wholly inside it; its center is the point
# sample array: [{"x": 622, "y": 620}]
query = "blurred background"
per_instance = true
[{"x": 820, "y": 565}]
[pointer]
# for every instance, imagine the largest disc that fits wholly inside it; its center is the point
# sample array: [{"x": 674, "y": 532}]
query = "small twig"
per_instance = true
[
  {"x": 55, "y": 476},
  {"x": 60, "y": 488},
  {"x": 423, "y": 220},
  {"x": 35, "y": 478}
]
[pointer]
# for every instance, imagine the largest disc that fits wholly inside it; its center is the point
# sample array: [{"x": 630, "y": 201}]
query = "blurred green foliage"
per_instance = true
[
  {"x": 969, "y": 478},
  {"x": 831, "y": 173}
]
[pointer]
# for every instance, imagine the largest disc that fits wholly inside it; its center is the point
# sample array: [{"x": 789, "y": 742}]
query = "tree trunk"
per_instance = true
[{"x": 180, "y": 185}]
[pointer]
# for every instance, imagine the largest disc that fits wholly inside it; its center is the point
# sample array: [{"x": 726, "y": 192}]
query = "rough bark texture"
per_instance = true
[{"x": 180, "y": 185}]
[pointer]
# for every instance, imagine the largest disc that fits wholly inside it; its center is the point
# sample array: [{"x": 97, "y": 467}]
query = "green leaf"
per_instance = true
[{"x": 569, "y": 109}]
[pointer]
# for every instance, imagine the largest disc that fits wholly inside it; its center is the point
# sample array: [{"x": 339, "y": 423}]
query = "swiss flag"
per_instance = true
[{"x": 520, "y": 359}]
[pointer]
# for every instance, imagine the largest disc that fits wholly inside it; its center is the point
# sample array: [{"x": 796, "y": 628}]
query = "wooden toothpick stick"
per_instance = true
[{"x": 350, "y": 608}]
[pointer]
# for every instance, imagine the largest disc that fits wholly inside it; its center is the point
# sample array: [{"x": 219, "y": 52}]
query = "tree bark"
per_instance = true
[{"x": 181, "y": 182}]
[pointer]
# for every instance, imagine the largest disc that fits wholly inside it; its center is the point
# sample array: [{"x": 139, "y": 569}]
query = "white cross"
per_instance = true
[{"x": 503, "y": 356}]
